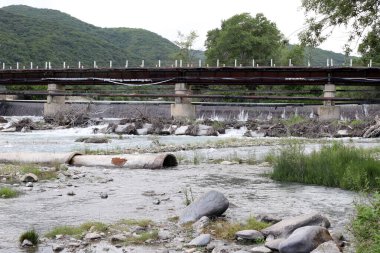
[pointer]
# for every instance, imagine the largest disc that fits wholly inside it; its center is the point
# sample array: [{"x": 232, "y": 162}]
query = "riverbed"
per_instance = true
[{"x": 248, "y": 189}]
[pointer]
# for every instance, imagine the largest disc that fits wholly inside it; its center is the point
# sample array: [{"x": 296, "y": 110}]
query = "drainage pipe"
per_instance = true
[{"x": 139, "y": 161}]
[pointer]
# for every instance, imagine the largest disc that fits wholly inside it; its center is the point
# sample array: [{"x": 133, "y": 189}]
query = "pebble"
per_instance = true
[
  {"x": 57, "y": 247},
  {"x": 29, "y": 184},
  {"x": 103, "y": 195},
  {"x": 71, "y": 193}
]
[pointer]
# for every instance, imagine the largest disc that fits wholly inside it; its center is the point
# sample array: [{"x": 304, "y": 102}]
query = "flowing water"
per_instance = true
[{"x": 132, "y": 193}]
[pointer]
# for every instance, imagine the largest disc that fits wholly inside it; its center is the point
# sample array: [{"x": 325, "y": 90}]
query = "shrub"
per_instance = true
[
  {"x": 366, "y": 226},
  {"x": 333, "y": 165},
  {"x": 30, "y": 235},
  {"x": 7, "y": 193}
]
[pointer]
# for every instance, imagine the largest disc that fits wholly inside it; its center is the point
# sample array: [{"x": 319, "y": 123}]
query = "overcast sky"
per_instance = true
[{"x": 167, "y": 17}]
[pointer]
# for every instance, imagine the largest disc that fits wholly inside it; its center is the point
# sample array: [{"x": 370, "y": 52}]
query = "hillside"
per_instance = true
[{"x": 39, "y": 35}]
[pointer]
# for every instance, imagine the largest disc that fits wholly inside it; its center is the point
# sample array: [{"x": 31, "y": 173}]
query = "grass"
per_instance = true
[
  {"x": 188, "y": 195},
  {"x": 7, "y": 193},
  {"x": 35, "y": 169},
  {"x": 142, "y": 238},
  {"x": 333, "y": 165},
  {"x": 77, "y": 231},
  {"x": 295, "y": 119},
  {"x": 225, "y": 230},
  {"x": 30, "y": 235},
  {"x": 366, "y": 226}
]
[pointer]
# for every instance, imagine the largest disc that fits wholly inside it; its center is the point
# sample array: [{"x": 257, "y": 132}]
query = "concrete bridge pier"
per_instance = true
[
  {"x": 54, "y": 103},
  {"x": 328, "y": 111},
  {"x": 182, "y": 109}
]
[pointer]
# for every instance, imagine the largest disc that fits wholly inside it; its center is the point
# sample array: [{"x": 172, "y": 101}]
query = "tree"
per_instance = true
[
  {"x": 244, "y": 38},
  {"x": 185, "y": 44},
  {"x": 361, "y": 17}
]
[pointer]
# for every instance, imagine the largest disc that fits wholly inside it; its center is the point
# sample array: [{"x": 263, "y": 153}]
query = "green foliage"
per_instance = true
[
  {"x": 225, "y": 230},
  {"x": 7, "y": 193},
  {"x": 366, "y": 226},
  {"x": 142, "y": 237},
  {"x": 185, "y": 44},
  {"x": 360, "y": 17},
  {"x": 295, "y": 119},
  {"x": 244, "y": 38},
  {"x": 30, "y": 235},
  {"x": 335, "y": 166},
  {"x": 40, "y": 35}
]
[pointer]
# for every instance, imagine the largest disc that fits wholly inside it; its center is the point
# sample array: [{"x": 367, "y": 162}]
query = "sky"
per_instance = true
[{"x": 167, "y": 17}]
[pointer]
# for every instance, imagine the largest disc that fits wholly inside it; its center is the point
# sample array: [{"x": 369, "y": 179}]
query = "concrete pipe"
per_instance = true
[{"x": 143, "y": 161}]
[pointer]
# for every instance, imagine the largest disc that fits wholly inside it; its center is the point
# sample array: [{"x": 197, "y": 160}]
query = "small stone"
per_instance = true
[
  {"x": 327, "y": 247},
  {"x": 192, "y": 250},
  {"x": 156, "y": 202},
  {"x": 103, "y": 195},
  {"x": 29, "y": 184},
  {"x": 57, "y": 247},
  {"x": 74, "y": 244},
  {"x": 164, "y": 235},
  {"x": 250, "y": 235},
  {"x": 228, "y": 163},
  {"x": 201, "y": 240},
  {"x": 71, "y": 193},
  {"x": 92, "y": 236},
  {"x": 260, "y": 249},
  {"x": 118, "y": 238},
  {"x": 201, "y": 224},
  {"x": 26, "y": 243},
  {"x": 75, "y": 177},
  {"x": 59, "y": 237}
]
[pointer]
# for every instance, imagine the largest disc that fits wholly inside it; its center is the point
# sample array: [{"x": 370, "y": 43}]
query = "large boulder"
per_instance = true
[
  {"x": 285, "y": 227},
  {"x": 204, "y": 130},
  {"x": 181, "y": 130},
  {"x": 211, "y": 204},
  {"x": 305, "y": 239},
  {"x": 29, "y": 177},
  {"x": 126, "y": 129}
]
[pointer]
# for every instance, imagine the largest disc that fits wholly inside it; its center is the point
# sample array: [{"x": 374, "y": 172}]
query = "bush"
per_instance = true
[
  {"x": 7, "y": 193},
  {"x": 30, "y": 235},
  {"x": 334, "y": 165},
  {"x": 366, "y": 226}
]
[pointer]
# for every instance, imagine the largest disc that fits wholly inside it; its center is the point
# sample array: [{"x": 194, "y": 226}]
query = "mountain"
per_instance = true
[{"x": 39, "y": 35}]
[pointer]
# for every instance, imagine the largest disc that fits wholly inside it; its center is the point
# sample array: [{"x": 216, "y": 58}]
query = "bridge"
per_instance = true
[{"x": 240, "y": 83}]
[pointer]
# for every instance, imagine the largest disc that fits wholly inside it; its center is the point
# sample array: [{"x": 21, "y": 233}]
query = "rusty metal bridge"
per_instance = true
[{"x": 202, "y": 84}]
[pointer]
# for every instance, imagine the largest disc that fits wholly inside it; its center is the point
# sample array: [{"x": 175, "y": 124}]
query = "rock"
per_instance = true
[
  {"x": 57, "y": 247},
  {"x": 268, "y": 218},
  {"x": 260, "y": 249},
  {"x": 305, "y": 239},
  {"x": 211, "y": 204},
  {"x": 241, "y": 251},
  {"x": 199, "y": 225},
  {"x": 228, "y": 163},
  {"x": 250, "y": 235},
  {"x": 103, "y": 195},
  {"x": 2, "y": 120},
  {"x": 201, "y": 240},
  {"x": 156, "y": 202},
  {"x": 71, "y": 193},
  {"x": 181, "y": 130},
  {"x": 285, "y": 227},
  {"x": 25, "y": 129},
  {"x": 168, "y": 130},
  {"x": 204, "y": 130},
  {"x": 29, "y": 177},
  {"x": 29, "y": 184},
  {"x": 9, "y": 130},
  {"x": 164, "y": 235},
  {"x": 92, "y": 140},
  {"x": 274, "y": 244},
  {"x": 92, "y": 236},
  {"x": 142, "y": 131},
  {"x": 126, "y": 129},
  {"x": 26, "y": 243},
  {"x": 327, "y": 247},
  {"x": 118, "y": 238}
]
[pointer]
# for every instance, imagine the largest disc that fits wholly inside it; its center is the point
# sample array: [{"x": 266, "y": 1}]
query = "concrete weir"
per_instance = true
[{"x": 141, "y": 161}]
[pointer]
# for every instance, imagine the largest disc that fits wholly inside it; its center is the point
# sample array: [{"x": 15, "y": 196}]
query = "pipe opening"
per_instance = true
[{"x": 169, "y": 161}]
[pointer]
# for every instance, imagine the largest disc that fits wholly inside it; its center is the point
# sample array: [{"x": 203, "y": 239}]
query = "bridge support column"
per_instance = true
[
  {"x": 329, "y": 111},
  {"x": 54, "y": 103},
  {"x": 182, "y": 109}
]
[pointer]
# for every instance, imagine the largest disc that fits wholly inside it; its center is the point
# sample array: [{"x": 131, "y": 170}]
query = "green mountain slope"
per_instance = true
[{"x": 40, "y": 35}]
